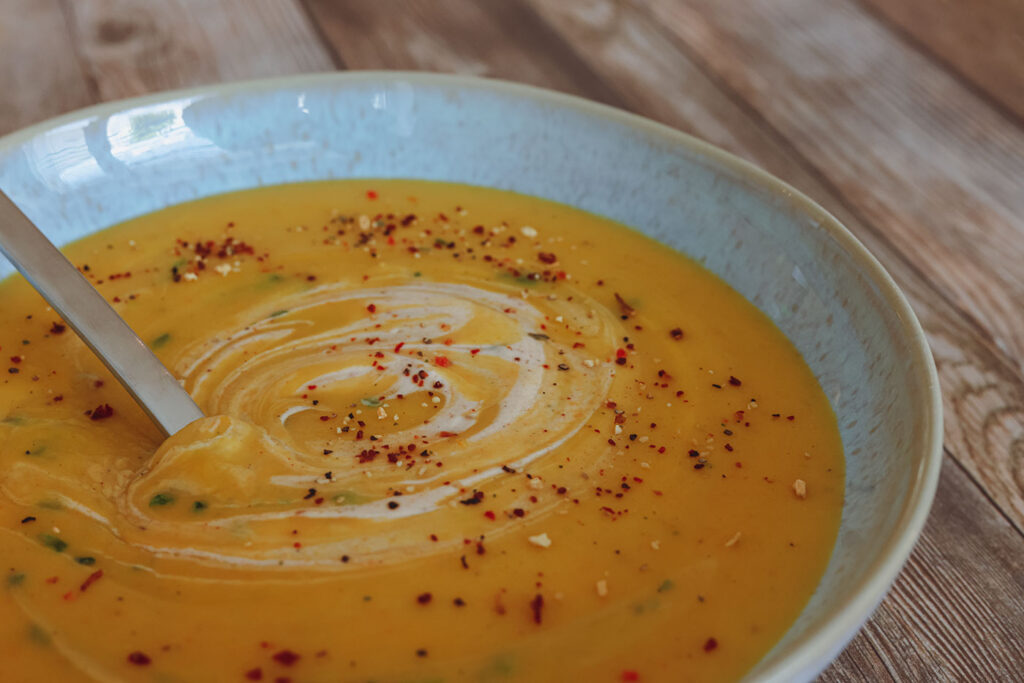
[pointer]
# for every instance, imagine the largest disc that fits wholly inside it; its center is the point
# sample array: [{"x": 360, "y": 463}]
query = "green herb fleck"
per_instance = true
[
  {"x": 51, "y": 504},
  {"x": 37, "y": 634},
  {"x": 15, "y": 579},
  {"x": 86, "y": 560},
  {"x": 370, "y": 402},
  {"x": 417, "y": 274},
  {"x": 198, "y": 506},
  {"x": 160, "y": 341},
  {"x": 14, "y": 420},
  {"x": 161, "y": 499},
  {"x": 666, "y": 585},
  {"x": 277, "y": 313},
  {"x": 51, "y": 541}
]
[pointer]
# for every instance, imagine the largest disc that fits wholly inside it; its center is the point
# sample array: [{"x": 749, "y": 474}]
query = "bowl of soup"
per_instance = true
[{"x": 501, "y": 385}]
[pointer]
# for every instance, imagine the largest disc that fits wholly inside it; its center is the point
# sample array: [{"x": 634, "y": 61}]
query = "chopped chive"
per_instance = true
[
  {"x": 15, "y": 579},
  {"x": 160, "y": 341},
  {"x": 370, "y": 402},
  {"x": 161, "y": 499},
  {"x": 51, "y": 541}
]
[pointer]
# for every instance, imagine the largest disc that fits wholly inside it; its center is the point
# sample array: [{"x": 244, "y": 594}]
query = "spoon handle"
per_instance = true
[{"x": 93, "y": 319}]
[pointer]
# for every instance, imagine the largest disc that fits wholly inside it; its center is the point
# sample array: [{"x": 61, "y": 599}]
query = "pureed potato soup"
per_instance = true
[{"x": 454, "y": 434}]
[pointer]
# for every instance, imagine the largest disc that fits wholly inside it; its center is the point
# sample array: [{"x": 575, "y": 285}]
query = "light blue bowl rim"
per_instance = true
[{"x": 842, "y": 623}]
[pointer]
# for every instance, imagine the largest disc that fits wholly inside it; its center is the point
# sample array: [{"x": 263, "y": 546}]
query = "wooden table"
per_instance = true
[{"x": 904, "y": 118}]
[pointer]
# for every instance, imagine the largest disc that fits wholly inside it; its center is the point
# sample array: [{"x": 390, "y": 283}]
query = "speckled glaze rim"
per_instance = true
[{"x": 813, "y": 651}]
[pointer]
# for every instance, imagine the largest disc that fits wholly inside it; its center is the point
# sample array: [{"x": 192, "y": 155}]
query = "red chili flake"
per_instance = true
[
  {"x": 630, "y": 675},
  {"x": 15, "y": 359},
  {"x": 676, "y": 333},
  {"x": 254, "y": 674},
  {"x": 101, "y": 412},
  {"x": 372, "y": 308},
  {"x": 424, "y": 598},
  {"x": 734, "y": 382},
  {"x": 545, "y": 257},
  {"x": 286, "y": 657},
  {"x": 139, "y": 658},
  {"x": 398, "y": 346},
  {"x": 710, "y": 644},
  {"x": 370, "y": 194},
  {"x": 537, "y": 605},
  {"x": 442, "y": 361},
  {"x": 91, "y": 579},
  {"x": 58, "y": 328},
  {"x": 447, "y": 434},
  {"x": 489, "y": 515}
]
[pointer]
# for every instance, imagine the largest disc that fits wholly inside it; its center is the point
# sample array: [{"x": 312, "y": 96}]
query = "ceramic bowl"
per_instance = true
[{"x": 89, "y": 169}]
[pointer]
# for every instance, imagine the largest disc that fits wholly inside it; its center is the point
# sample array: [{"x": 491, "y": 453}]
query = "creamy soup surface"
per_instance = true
[{"x": 454, "y": 434}]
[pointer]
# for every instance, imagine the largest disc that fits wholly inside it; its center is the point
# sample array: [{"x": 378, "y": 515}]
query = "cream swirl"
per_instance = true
[{"x": 347, "y": 409}]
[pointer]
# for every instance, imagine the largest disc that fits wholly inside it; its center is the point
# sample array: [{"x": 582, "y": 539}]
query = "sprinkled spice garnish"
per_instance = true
[
  {"x": 139, "y": 658},
  {"x": 91, "y": 579},
  {"x": 58, "y": 328},
  {"x": 26, "y": 520},
  {"x": 286, "y": 657},
  {"x": 676, "y": 333},
  {"x": 392, "y": 505},
  {"x": 101, "y": 412},
  {"x": 475, "y": 499},
  {"x": 538, "y": 336},
  {"x": 627, "y": 310},
  {"x": 424, "y": 598},
  {"x": 421, "y": 652},
  {"x": 546, "y": 257},
  {"x": 254, "y": 674},
  {"x": 734, "y": 382},
  {"x": 710, "y": 644},
  {"x": 537, "y": 607},
  {"x": 87, "y": 561}
]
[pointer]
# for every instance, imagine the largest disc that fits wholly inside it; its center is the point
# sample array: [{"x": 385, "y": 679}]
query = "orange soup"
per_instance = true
[{"x": 454, "y": 434}]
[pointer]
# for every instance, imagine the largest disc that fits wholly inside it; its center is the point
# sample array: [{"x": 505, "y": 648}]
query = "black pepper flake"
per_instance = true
[
  {"x": 538, "y": 336},
  {"x": 563, "y": 367},
  {"x": 465, "y": 565},
  {"x": 509, "y": 470},
  {"x": 717, "y": 386},
  {"x": 676, "y": 333},
  {"x": 734, "y": 382},
  {"x": 693, "y": 453},
  {"x": 421, "y": 653},
  {"x": 392, "y": 504},
  {"x": 309, "y": 494},
  {"x": 28, "y": 519},
  {"x": 424, "y": 598},
  {"x": 459, "y": 602},
  {"x": 698, "y": 466}
]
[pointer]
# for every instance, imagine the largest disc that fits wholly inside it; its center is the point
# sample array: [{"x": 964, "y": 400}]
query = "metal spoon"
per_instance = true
[{"x": 83, "y": 308}]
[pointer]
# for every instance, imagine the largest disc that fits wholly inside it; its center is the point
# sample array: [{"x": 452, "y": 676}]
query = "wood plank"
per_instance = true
[
  {"x": 982, "y": 40},
  {"x": 983, "y": 384},
  {"x": 39, "y": 73},
  {"x": 956, "y": 612},
  {"x": 919, "y": 154},
  {"x": 494, "y": 39},
  {"x": 130, "y": 47},
  {"x": 983, "y": 391}
]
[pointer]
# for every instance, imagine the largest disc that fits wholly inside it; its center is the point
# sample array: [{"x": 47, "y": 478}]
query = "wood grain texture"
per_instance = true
[
  {"x": 981, "y": 40},
  {"x": 917, "y": 220},
  {"x": 128, "y": 47},
  {"x": 956, "y": 612},
  {"x": 983, "y": 391},
  {"x": 39, "y": 74},
  {"x": 922, "y": 157},
  {"x": 494, "y": 39}
]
